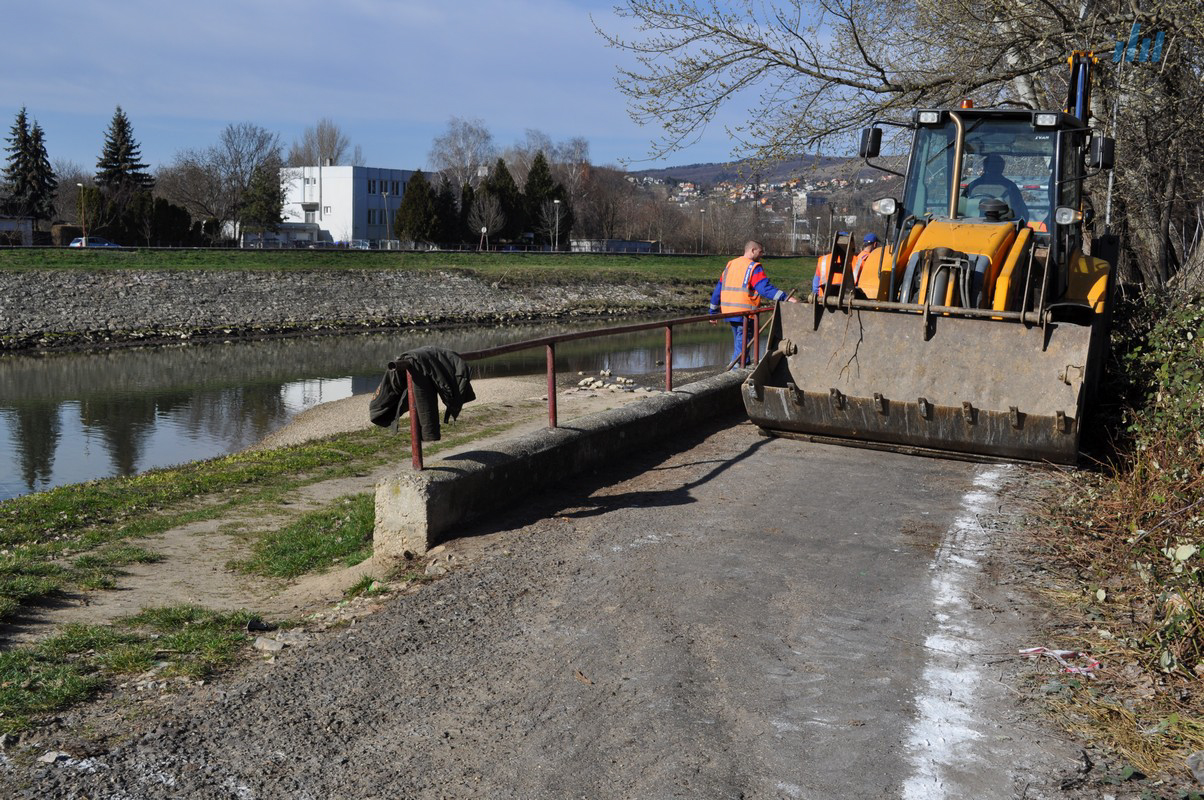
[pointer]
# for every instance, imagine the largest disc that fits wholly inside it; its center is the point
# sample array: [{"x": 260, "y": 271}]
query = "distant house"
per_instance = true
[
  {"x": 353, "y": 206},
  {"x": 16, "y": 230}
]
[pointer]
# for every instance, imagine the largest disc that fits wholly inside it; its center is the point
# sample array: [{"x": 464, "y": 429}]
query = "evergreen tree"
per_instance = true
[
  {"x": 263, "y": 203},
  {"x": 465, "y": 232},
  {"x": 416, "y": 218},
  {"x": 539, "y": 198},
  {"x": 501, "y": 186},
  {"x": 119, "y": 169},
  {"x": 447, "y": 215},
  {"x": 43, "y": 185},
  {"x": 30, "y": 180},
  {"x": 16, "y": 174}
]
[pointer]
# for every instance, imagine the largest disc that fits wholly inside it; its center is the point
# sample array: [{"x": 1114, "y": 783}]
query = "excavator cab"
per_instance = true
[{"x": 983, "y": 324}]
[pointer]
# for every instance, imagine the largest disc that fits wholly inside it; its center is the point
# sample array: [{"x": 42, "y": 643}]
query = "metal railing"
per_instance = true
[{"x": 550, "y": 342}]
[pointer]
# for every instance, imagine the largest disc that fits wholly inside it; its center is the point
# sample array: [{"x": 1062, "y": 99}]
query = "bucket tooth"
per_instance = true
[
  {"x": 837, "y": 399},
  {"x": 879, "y": 403},
  {"x": 1014, "y": 414},
  {"x": 925, "y": 408},
  {"x": 792, "y": 391},
  {"x": 1060, "y": 424},
  {"x": 968, "y": 413}
]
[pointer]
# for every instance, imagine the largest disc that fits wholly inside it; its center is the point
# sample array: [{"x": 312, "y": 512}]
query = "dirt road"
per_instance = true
[{"x": 749, "y": 617}]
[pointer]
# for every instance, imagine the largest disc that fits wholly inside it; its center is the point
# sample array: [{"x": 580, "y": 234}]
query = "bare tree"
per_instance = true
[
  {"x": 66, "y": 200},
  {"x": 519, "y": 156},
  {"x": 570, "y": 166},
  {"x": 607, "y": 205},
  {"x": 322, "y": 144},
  {"x": 212, "y": 183},
  {"x": 463, "y": 151},
  {"x": 805, "y": 74},
  {"x": 486, "y": 215}
]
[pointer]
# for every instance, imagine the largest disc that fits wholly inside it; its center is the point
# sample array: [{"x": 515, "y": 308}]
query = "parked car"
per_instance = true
[{"x": 92, "y": 241}]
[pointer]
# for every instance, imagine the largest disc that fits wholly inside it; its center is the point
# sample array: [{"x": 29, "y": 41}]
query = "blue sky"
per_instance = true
[{"x": 390, "y": 73}]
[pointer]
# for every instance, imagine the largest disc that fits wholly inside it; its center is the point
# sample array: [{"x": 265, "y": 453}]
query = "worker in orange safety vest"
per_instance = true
[
  {"x": 869, "y": 244},
  {"x": 741, "y": 287}
]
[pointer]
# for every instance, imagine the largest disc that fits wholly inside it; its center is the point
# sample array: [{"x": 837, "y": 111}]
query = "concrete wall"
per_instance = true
[{"x": 417, "y": 510}]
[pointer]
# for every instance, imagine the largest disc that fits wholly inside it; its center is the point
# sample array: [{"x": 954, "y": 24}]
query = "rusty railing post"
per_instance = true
[
  {"x": 744, "y": 342},
  {"x": 756, "y": 323},
  {"x": 668, "y": 358},
  {"x": 551, "y": 385},
  {"x": 415, "y": 429}
]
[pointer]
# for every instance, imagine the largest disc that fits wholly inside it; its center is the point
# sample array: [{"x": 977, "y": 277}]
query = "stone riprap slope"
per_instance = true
[{"x": 41, "y": 309}]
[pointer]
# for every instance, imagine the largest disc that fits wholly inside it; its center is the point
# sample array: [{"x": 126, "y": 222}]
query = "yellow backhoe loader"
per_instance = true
[{"x": 981, "y": 328}]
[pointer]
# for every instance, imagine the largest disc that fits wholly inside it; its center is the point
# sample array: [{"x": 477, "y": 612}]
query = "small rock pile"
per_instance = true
[{"x": 616, "y": 384}]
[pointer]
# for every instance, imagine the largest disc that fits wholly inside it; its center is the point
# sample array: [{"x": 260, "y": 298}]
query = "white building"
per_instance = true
[{"x": 349, "y": 205}]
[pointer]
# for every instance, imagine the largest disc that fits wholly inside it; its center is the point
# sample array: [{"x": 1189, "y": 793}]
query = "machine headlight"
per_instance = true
[
  {"x": 928, "y": 117},
  {"x": 885, "y": 206},
  {"x": 1067, "y": 216},
  {"x": 1045, "y": 120}
]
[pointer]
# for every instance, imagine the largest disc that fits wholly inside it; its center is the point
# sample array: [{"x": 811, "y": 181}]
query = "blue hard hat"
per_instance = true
[{"x": 870, "y": 238}]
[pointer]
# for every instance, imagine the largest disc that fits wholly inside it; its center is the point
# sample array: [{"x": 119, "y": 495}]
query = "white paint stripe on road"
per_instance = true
[{"x": 946, "y": 721}]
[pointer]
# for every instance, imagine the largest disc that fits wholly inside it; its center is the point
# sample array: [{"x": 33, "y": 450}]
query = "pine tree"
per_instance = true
[
  {"x": 119, "y": 168},
  {"x": 29, "y": 177},
  {"x": 467, "y": 196},
  {"x": 16, "y": 174},
  {"x": 416, "y": 219},
  {"x": 539, "y": 196},
  {"x": 501, "y": 186},
  {"x": 447, "y": 216},
  {"x": 43, "y": 184},
  {"x": 263, "y": 203}
]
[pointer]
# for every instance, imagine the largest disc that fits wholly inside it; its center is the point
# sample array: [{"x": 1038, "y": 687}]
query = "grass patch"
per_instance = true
[
  {"x": 73, "y": 665},
  {"x": 79, "y": 537},
  {"x": 367, "y": 586},
  {"x": 518, "y": 267},
  {"x": 340, "y": 534}
]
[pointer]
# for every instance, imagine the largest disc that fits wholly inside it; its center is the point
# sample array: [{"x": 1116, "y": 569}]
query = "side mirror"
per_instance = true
[
  {"x": 1101, "y": 154},
  {"x": 885, "y": 206},
  {"x": 871, "y": 142}
]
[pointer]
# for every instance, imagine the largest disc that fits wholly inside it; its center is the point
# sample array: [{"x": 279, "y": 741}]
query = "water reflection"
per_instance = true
[{"x": 72, "y": 417}]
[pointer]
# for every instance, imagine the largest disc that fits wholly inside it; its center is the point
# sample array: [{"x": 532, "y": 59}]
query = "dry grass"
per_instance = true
[{"x": 1128, "y": 543}]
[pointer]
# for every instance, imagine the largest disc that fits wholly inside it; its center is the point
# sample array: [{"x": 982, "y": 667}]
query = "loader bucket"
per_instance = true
[{"x": 978, "y": 386}]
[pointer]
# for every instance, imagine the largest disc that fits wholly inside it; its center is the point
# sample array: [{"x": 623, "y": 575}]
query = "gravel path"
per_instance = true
[{"x": 639, "y": 633}]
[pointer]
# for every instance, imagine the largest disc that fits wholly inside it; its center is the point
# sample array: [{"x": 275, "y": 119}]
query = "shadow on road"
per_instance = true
[{"x": 575, "y": 497}]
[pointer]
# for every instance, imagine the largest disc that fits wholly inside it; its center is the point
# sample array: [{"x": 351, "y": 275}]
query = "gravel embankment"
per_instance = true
[{"x": 51, "y": 309}]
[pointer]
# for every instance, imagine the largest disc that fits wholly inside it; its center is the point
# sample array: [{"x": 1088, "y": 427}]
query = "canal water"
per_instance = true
[{"x": 72, "y": 417}]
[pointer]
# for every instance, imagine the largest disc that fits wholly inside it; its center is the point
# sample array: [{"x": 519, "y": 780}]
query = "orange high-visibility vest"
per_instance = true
[
  {"x": 825, "y": 265},
  {"x": 737, "y": 293}
]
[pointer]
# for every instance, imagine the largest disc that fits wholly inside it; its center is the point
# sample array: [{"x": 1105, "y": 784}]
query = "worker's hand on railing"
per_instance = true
[{"x": 791, "y": 299}]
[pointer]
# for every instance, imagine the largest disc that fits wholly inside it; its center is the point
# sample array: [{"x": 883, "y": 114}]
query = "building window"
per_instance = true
[
  {"x": 371, "y": 216},
  {"x": 325, "y": 209},
  {"x": 309, "y": 216},
  {"x": 394, "y": 187},
  {"x": 372, "y": 187}
]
